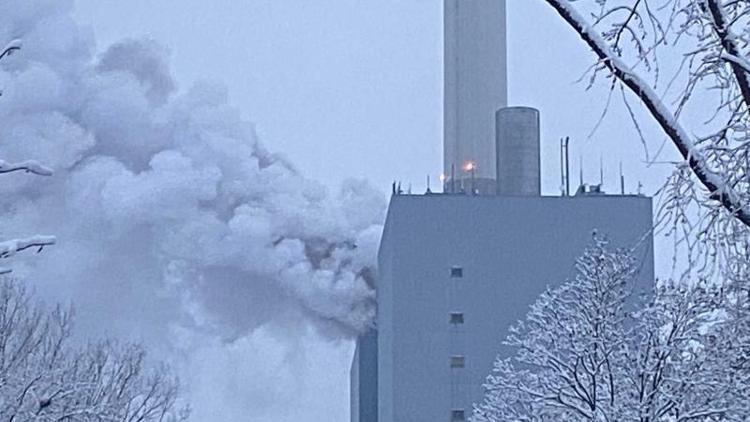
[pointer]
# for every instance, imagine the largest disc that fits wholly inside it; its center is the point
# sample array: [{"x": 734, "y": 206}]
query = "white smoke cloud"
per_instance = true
[{"x": 175, "y": 225}]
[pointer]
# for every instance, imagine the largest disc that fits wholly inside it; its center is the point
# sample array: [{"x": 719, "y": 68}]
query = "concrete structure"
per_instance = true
[
  {"x": 455, "y": 272},
  {"x": 363, "y": 379},
  {"x": 475, "y": 86},
  {"x": 518, "y": 155}
]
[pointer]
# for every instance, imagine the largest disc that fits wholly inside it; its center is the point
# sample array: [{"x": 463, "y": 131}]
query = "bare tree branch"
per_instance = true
[{"x": 44, "y": 379}]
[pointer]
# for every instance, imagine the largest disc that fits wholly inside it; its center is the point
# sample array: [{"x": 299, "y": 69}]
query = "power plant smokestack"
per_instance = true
[
  {"x": 518, "y": 155},
  {"x": 475, "y": 86}
]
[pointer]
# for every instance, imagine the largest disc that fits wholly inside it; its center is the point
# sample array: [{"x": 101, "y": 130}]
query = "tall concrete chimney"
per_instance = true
[{"x": 475, "y": 86}]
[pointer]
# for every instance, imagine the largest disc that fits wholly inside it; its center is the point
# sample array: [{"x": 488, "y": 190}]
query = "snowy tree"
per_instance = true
[
  {"x": 567, "y": 348},
  {"x": 686, "y": 64},
  {"x": 677, "y": 369},
  {"x": 591, "y": 350},
  {"x": 43, "y": 378},
  {"x": 9, "y": 248}
]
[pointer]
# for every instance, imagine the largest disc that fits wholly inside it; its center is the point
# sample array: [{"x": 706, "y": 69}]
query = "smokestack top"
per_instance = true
[{"x": 475, "y": 86}]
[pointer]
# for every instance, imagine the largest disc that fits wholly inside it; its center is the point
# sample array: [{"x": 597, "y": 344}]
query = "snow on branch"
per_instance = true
[
  {"x": 727, "y": 39},
  {"x": 29, "y": 166},
  {"x": 11, "y": 48},
  {"x": 719, "y": 188},
  {"x": 739, "y": 61},
  {"x": 9, "y": 248}
]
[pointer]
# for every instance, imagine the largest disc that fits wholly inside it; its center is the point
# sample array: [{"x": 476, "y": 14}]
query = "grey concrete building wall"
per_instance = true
[
  {"x": 364, "y": 379},
  {"x": 384, "y": 353},
  {"x": 354, "y": 381},
  {"x": 475, "y": 86},
  {"x": 486, "y": 258}
]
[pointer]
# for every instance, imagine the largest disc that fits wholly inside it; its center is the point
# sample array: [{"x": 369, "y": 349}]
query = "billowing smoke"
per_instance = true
[{"x": 174, "y": 224}]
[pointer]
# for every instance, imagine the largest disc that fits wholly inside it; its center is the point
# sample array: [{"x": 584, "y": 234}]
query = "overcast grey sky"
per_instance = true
[{"x": 353, "y": 88}]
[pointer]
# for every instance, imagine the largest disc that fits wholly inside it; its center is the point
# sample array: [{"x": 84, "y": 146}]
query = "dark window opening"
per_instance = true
[
  {"x": 458, "y": 361},
  {"x": 458, "y": 415},
  {"x": 457, "y": 272},
  {"x": 457, "y": 318}
]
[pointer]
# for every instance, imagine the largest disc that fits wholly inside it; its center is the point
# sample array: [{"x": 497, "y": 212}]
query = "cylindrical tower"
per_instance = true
[
  {"x": 475, "y": 86},
  {"x": 518, "y": 157}
]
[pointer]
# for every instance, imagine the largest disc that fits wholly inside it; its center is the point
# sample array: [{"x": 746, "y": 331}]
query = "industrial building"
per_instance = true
[
  {"x": 454, "y": 273},
  {"x": 456, "y": 269}
]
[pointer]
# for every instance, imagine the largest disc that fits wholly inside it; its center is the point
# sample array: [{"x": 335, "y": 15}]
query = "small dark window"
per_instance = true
[
  {"x": 457, "y": 318},
  {"x": 458, "y": 415},
  {"x": 457, "y": 272},
  {"x": 458, "y": 361}
]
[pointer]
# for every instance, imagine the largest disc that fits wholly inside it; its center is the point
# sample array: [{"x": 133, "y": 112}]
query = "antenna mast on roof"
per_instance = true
[
  {"x": 565, "y": 166},
  {"x": 453, "y": 178},
  {"x": 562, "y": 166},
  {"x": 580, "y": 170}
]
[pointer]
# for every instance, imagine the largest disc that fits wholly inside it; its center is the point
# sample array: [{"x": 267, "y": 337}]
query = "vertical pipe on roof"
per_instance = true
[{"x": 517, "y": 140}]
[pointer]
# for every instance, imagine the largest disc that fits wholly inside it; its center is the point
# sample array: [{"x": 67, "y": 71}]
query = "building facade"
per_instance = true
[
  {"x": 363, "y": 379},
  {"x": 455, "y": 272}
]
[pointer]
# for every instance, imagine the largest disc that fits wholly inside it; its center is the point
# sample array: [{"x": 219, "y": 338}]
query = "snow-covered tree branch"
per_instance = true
[
  {"x": 9, "y": 248},
  {"x": 10, "y": 48},
  {"x": 708, "y": 21},
  {"x": 686, "y": 62},
  {"x": 721, "y": 23},
  {"x": 29, "y": 166},
  {"x": 43, "y": 378}
]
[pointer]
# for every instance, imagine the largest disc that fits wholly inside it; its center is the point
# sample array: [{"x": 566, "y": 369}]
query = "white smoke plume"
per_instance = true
[{"x": 174, "y": 224}]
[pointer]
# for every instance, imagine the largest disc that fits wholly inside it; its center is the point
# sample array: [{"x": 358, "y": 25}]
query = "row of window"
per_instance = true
[
  {"x": 457, "y": 317},
  {"x": 457, "y": 361}
]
